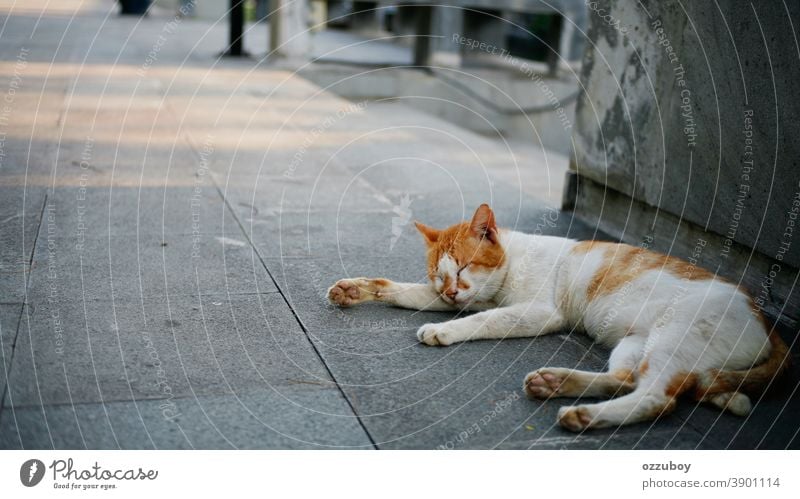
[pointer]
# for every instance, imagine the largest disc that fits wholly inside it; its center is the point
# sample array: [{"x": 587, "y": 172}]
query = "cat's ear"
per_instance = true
[
  {"x": 430, "y": 234},
  {"x": 483, "y": 224}
]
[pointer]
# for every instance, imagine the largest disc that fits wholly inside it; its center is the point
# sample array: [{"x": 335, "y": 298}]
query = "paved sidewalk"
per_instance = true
[{"x": 170, "y": 223}]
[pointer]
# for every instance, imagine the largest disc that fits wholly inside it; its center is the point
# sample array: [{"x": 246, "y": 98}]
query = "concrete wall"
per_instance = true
[{"x": 688, "y": 129}]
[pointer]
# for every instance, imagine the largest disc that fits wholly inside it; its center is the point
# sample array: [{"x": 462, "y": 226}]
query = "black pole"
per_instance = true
[
  {"x": 236, "y": 29},
  {"x": 553, "y": 38},
  {"x": 422, "y": 40}
]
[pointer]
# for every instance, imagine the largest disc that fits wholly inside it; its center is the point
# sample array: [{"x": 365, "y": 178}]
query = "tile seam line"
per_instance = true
[
  {"x": 364, "y": 428},
  {"x": 297, "y": 318},
  {"x": 6, "y": 386},
  {"x": 143, "y": 399}
]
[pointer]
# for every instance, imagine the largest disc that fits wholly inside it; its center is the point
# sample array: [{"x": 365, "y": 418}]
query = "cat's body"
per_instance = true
[{"x": 673, "y": 327}]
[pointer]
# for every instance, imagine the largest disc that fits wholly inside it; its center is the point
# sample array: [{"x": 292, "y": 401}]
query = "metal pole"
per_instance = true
[
  {"x": 422, "y": 40},
  {"x": 275, "y": 27},
  {"x": 236, "y": 29},
  {"x": 553, "y": 38}
]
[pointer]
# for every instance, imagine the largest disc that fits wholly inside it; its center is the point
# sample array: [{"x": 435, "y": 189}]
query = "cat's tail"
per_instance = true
[{"x": 727, "y": 389}]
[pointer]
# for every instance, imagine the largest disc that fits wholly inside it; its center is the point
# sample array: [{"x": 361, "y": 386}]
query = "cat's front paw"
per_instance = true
[
  {"x": 434, "y": 335},
  {"x": 347, "y": 292},
  {"x": 575, "y": 418}
]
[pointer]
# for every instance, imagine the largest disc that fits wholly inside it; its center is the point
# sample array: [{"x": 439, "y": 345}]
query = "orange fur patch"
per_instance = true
[
  {"x": 624, "y": 375},
  {"x": 447, "y": 281},
  {"x": 584, "y": 247},
  {"x": 681, "y": 383},
  {"x": 668, "y": 407},
  {"x": 623, "y": 263},
  {"x": 683, "y": 269},
  {"x": 618, "y": 268},
  {"x": 461, "y": 243}
]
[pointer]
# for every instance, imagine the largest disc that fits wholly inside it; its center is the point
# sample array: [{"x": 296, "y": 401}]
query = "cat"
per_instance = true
[{"x": 674, "y": 328}]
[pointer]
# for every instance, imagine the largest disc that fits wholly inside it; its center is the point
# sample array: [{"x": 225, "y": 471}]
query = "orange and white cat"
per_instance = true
[{"x": 674, "y": 328}]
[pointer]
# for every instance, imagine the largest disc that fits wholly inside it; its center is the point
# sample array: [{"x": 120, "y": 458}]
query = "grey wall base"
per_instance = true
[{"x": 633, "y": 222}]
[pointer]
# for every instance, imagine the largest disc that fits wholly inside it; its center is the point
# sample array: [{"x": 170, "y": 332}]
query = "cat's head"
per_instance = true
[{"x": 463, "y": 260}]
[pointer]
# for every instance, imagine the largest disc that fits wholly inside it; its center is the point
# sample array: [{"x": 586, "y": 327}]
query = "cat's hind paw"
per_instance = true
[
  {"x": 542, "y": 384},
  {"x": 574, "y": 418},
  {"x": 433, "y": 335}
]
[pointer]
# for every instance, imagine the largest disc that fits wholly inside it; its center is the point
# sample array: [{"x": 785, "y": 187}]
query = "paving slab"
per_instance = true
[
  {"x": 140, "y": 210},
  {"x": 98, "y": 351},
  {"x": 20, "y": 215},
  {"x": 320, "y": 234},
  {"x": 136, "y": 267},
  {"x": 669, "y": 435},
  {"x": 89, "y": 159},
  {"x": 265, "y": 196},
  {"x": 10, "y": 314},
  {"x": 310, "y": 417},
  {"x": 305, "y": 281}
]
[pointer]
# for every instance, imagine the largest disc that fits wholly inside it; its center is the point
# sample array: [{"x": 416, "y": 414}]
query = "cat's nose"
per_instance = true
[{"x": 451, "y": 293}]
